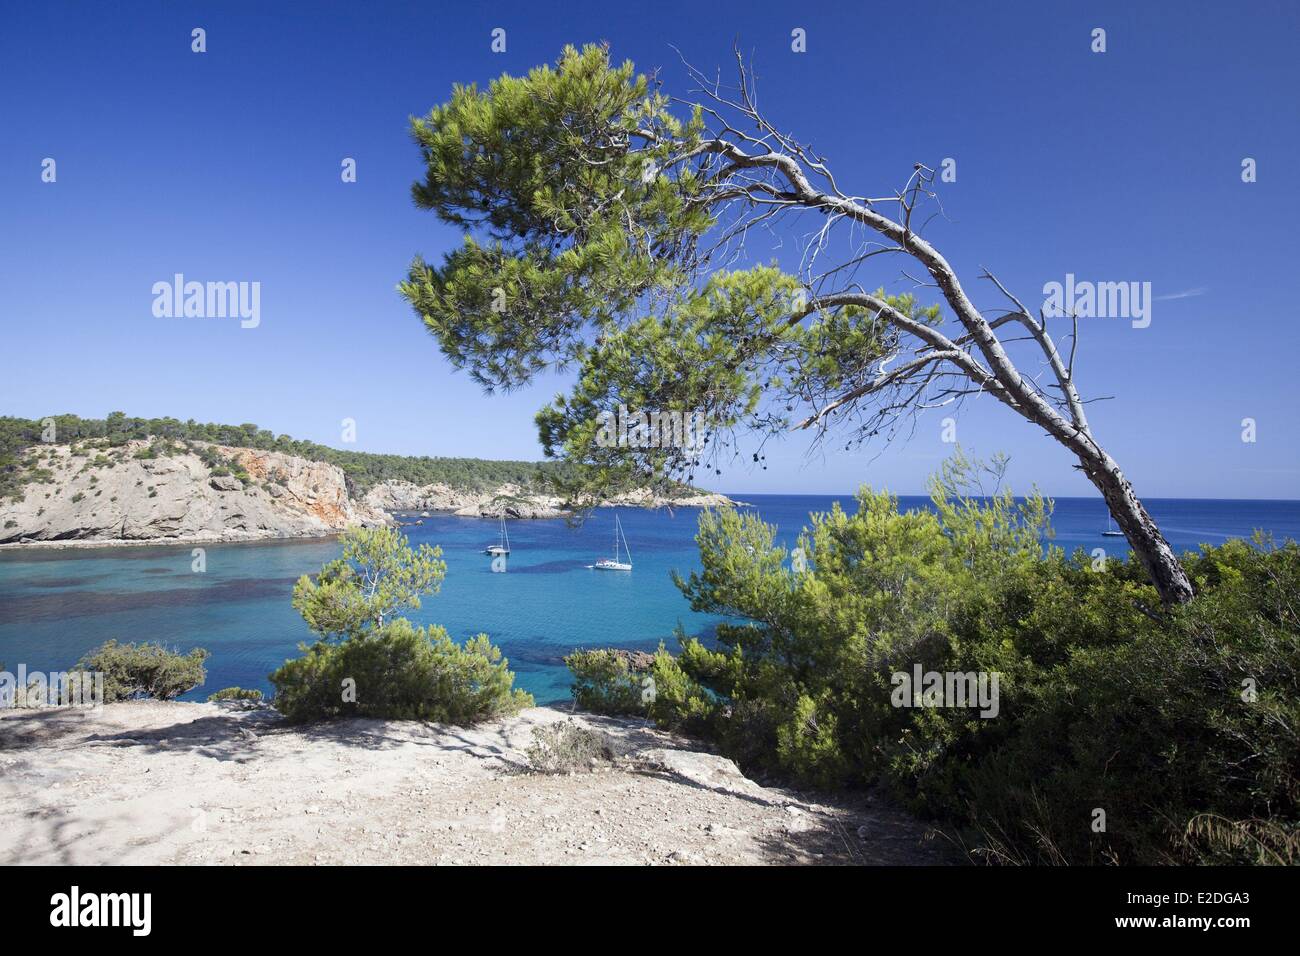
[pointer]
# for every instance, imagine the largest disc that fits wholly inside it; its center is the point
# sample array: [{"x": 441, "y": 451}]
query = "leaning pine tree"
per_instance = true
[{"x": 604, "y": 233}]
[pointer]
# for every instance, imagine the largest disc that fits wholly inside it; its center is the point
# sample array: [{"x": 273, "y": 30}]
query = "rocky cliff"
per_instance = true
[
  {"x": 153, "y": 490},
  {"x": 510, "y": 500},
  {"x": 133, "y": 493}
]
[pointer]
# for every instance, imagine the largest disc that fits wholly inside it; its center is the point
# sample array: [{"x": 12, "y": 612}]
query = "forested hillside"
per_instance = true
[{"x": 363, "y": 470}]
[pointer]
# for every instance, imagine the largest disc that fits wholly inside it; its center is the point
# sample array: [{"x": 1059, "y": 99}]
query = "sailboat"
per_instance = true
[
  {"x": 1111, "y": 531},
  {"x": 504, "y": 546},
  {"x": 614, "y": 564}
]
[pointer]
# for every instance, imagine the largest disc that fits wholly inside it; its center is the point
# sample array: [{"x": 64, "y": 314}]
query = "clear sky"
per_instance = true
[{"x": 225, "y": 166}]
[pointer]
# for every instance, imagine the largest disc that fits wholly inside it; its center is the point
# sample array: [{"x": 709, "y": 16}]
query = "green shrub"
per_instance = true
[
  {"x": 679, "y": 701},
  {"x": 134, "y": 671},
  {"x": 808, "y": 742},
  {"x": 399, "y": 671},
  {"x": 236, "y": 693},
  {"x": 619, "y": 682},
  {"x": 1152, "y": 721},
  {"x": 605, "y": 682},
  {"x": 1106, "y": 700}
]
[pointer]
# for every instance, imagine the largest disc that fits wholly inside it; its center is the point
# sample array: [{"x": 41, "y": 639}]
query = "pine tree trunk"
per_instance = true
[{"x": 1150, "y": 546}]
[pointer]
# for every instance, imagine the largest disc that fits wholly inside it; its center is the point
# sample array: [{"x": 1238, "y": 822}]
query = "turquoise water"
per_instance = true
[{"x": 54, "y": 605}]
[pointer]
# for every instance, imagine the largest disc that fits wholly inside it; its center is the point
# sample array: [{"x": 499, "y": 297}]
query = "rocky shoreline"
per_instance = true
[
  {"x": 96, "y": 496},
  {"x": 510, "y": 501},
  {"x": 132, "y": 493}
]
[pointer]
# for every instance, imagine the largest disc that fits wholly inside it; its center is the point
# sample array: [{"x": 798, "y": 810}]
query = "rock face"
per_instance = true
[
  {"x": 109, "y": 494},
  {"x": 220, "y": 493},
  {"x": 647, "y": 499},
  {"x": 510, "y": 500}
]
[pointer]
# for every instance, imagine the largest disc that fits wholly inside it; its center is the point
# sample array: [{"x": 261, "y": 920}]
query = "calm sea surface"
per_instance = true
[{"x": 54, "y": 605}]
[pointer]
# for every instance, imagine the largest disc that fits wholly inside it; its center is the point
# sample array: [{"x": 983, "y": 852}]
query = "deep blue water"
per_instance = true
[{"x": 54, "y": 605}]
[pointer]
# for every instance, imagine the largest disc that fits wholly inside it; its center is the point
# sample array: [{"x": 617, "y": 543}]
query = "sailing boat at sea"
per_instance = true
[
  {"x": 614, "y": 564},
  {"x": 1111, "y": 531},
  {"x": 504, "y": 546}
]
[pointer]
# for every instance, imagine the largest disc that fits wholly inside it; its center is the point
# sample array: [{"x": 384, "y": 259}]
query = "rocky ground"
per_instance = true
[{"x": 151, "y": 782}]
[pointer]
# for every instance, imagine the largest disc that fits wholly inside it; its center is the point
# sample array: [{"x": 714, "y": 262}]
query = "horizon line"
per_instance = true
[{"x": 836, "y": 494}]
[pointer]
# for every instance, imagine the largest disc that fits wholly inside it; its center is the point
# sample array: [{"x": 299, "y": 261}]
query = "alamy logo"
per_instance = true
[
  {"x": 208, "y": 300},
  {"x": 947, "y": 689},
  {"x": 103, "y": 909},
  {"x": 657, "y": 429},
  {"x": 1098, "y": 300},
  {"x": 57, "y": 689}
]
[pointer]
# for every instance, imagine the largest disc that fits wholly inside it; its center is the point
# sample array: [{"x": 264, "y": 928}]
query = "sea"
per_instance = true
[{"x": 57, "y": 604}]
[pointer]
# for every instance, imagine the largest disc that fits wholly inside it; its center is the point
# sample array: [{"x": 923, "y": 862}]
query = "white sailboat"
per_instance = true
[
  {"x": 614, "y": 564},
  {"x": 504, "y": 546},
  {"x": 1111, "y": 531}
]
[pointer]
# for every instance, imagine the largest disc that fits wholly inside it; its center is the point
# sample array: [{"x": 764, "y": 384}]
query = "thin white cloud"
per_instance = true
[{"x": 1185, "y": 294}]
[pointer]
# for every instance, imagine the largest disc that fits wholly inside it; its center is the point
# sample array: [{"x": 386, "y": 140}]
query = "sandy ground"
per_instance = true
[{"x": 151, "y": 782}]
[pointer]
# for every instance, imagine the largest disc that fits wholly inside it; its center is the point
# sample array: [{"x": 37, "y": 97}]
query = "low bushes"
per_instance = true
[
  {"x": 1172, "y": 730},
  {"x": 235, "y": 693},
  {"x": 608, "y": 681},
  {"x": 567, "y": 747},
  {"x": 399, "y": 671},
  {"x": 134, "y": 671},
  {"x": 611, "y": 681}
]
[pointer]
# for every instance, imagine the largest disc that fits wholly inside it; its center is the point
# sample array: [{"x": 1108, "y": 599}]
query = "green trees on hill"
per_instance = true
[{"x": 363, "y": 470}]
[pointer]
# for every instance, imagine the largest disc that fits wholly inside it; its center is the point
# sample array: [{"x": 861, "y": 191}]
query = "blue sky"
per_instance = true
[{"x": 225, "y": 166}]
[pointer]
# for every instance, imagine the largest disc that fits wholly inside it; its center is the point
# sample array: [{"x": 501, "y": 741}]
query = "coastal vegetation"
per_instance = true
[
  {"x": 144, "y": 670},
  {"x": 605, "y": 681},
  {"x": 1121, "y": 731},
  {"x": 236, "y": 693},
  {"x": 368, "y": 663},
  {"x": 400, "y": 672},
  {"x": 617, "y": 682}
]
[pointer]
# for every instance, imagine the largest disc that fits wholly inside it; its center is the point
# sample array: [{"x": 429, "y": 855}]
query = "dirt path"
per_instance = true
[{"x": 150, "y": 782}]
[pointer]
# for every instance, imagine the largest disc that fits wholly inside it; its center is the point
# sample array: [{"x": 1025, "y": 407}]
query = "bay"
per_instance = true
[{"x": 56, "y": 604}]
